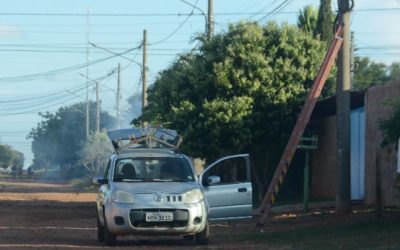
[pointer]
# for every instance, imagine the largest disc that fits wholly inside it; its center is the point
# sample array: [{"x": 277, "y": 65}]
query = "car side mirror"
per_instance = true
[
  {"x": 99, "y": 180},
  {"x": 213, "y": 180}
]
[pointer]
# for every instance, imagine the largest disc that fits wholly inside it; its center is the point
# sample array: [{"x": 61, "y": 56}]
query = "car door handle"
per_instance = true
[{"x": 241, "y": 190}]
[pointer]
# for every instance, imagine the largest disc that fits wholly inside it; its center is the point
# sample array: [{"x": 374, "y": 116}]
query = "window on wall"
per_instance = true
[{"x": 230, "y": 171}]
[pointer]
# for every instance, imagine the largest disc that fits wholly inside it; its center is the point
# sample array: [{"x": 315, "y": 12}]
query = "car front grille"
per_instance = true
[
  {"x": 173, "y": 198},
  {"x": 138, "y": 218}
]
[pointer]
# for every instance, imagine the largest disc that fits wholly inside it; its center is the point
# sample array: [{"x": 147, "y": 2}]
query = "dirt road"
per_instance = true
[{"x": 46, "y": 215}]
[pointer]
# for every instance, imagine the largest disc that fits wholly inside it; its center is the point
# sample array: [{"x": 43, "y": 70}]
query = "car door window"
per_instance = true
[
  {"x": 230, "y": 171},
  {"x": 107, "y": 169}
]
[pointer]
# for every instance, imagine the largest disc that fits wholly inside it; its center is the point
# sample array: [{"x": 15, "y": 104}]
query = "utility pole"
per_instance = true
[
  {"x": 87, "y": 74},
  {"x": 210, "y": 22},
  {"x": 343, "y": 114},
  {"x": 97, "y": 108},
  {"x": 118, "y": 97},
  {"x": 144, "y": 76}
]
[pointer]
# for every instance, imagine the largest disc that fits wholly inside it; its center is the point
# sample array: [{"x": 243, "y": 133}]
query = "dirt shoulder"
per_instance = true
[{"x": 46, "y": 215}]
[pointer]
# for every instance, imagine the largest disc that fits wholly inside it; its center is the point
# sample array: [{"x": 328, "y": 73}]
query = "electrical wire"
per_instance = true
[
  {"x": 262, "y": 10},
  {"x": 47, "y": 99},
  {"x": 178, "y": 28},
  {"x": 35, "y": 76},
  {"x": 169, "y": 14},
  {"x": 276, "y": 10}
]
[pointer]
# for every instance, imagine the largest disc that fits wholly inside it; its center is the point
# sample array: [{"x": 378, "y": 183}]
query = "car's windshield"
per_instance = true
[{"x": 153, "y": 169}]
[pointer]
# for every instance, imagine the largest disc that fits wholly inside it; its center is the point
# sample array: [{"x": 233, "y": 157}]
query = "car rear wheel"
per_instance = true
[
  {"x": 202, "y": 237},
  {"x": 109, "y": 238}
]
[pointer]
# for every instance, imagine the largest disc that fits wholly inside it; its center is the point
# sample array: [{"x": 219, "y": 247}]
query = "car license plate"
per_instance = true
[{"x": 159, "y": 216}]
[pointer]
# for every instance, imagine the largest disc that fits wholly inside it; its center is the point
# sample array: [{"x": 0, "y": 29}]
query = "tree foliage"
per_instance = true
[
  {"x": 325, "y": 21},
  {"x": 320, "y": 23},
  {"x": 10, "y": 157},
  {"x": 240, "y": 93},
  {"x": 394, "y": 71},
  {"x": 308, "y": 20},
  {"x": 369, "y": 73},
  {"x": 390, "y": 126},
  {"x": 58, "y": 139},
  {"x": 7, "y": 155},
  {"x": 95, "y": 153}
]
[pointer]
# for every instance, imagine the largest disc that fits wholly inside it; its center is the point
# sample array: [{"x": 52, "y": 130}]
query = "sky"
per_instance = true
[{"x": 44, "y": 44}]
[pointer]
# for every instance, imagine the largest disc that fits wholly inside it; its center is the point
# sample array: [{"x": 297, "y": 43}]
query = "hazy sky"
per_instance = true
[{"x": 32, "y": 47}]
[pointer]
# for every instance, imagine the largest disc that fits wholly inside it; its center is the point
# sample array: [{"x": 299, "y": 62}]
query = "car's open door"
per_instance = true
[{"x": 227, "y": 187}]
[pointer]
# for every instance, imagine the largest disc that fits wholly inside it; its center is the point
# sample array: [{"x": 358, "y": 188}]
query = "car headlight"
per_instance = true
[
  {"x": 120, "y": 196},
  {"x": 193, "y": 196}
]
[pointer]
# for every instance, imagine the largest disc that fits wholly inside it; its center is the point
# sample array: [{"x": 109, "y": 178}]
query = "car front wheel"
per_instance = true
[
  {"x": 109, "y": 238},
  {"x": 100, "y": 230},
  {"x": 202, "y": 237}
]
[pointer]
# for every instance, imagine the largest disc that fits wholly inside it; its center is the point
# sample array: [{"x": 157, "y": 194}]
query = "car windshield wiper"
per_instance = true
[
  {"x": 126, "y": 180},
  {"x": 160, "y": 180},
  {"x": 180, "y": 180},
  {"x": 170, "y": 180}
]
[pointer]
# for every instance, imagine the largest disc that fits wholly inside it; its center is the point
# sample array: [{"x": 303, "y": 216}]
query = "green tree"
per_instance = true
[
  {"x": 368, "y": 73},
  {"x": 307, "y": 20},
  {"x": 58, "y": 139},
  {"x": 394, "y": 71},
  {"x": 95, "y": 153},
  {"x": 390, "y": 126},
  {"x": 18, "y": 160},
  {"x": 320, "y": 24},
  {"x": 240, "y": 93},
  {"x": 325, "y": 21},
  {"x": 7, "y": 156}
]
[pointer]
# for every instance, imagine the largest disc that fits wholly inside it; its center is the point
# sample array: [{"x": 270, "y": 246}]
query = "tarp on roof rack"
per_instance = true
[{"x": 149, "y": 137}]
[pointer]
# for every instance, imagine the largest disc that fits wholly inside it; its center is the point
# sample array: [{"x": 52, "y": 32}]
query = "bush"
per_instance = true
[{"x": 390, "y": 126}]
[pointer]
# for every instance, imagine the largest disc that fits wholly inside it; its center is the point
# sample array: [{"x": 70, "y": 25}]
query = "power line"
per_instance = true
[
  {"x": 83, "y": 32},
  {"x": 105, "y": 24},
  {"x": 46, "y": 99},
  {"x": 169, "y": 14},
  {"x": 35, "y": 76},
  {"x": 382, "y": 51},
  {"x": 276, "y": 10},
  {"x": 178, "y": 28},
  {"x": 262, "y": 10}
]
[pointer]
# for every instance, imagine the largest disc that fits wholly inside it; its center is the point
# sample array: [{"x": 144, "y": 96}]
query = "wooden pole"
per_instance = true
[{"x": 343, "y": 115}]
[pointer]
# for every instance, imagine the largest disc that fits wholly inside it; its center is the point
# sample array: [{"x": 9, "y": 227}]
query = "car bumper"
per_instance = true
[{"x": 124, "y": 219}]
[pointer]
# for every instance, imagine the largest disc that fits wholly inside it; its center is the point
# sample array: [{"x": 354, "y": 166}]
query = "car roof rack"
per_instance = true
[{"x": 147, "y": 137}]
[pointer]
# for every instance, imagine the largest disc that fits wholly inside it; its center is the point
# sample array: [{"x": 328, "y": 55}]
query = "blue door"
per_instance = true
[{"x": 357, "y": 154}]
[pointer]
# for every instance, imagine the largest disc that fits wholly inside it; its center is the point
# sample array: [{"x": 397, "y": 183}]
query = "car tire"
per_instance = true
[
  {"x": 109, "y": 238},
  {"x": 188, "y": 237},
  {"x": 100, "y": 230},
  {"x": 202, "y": 237}
]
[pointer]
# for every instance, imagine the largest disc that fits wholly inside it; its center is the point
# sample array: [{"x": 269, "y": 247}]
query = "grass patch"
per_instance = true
[
  {"x": 368, "y": 234},
  {"x": 83, "y": 182}
]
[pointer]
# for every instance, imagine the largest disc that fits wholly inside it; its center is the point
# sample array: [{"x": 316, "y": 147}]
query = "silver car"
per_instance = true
[{"x": 150, "y": 189}]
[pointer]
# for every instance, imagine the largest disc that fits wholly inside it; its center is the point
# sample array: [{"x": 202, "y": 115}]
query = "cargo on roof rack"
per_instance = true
[{"x": 149, "y": 137}]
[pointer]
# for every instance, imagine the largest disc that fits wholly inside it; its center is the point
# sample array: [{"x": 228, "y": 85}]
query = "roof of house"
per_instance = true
[{"x": 327, "y": 106}]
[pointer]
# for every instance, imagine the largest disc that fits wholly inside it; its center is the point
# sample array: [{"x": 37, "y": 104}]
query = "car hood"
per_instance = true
[{"x": 156, "y": 187}]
